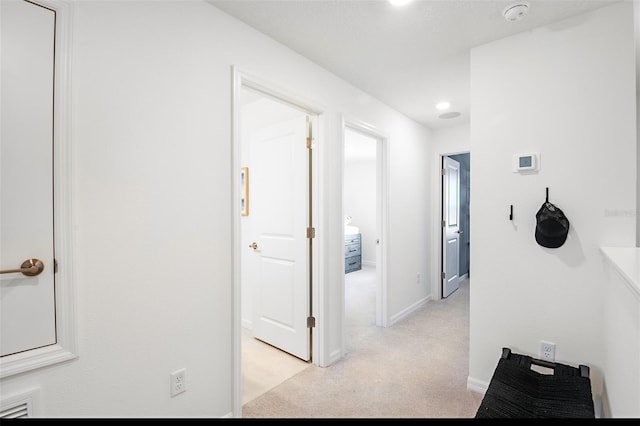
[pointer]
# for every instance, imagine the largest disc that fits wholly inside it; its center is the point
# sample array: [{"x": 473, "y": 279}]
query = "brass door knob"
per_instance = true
[
  {"x": 254, "y": 245},
  {"x": 30, "y": 268}
]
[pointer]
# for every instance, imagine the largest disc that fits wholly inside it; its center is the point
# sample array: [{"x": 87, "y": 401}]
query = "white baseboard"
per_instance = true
[
  {"x": 335, "y": 356},
  {"x": 408, "y": 311},
  {"x": 476, "y": 385}
]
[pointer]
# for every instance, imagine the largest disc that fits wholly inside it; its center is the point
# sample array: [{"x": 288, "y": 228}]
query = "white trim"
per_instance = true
[
  {"x": 244, "y": 79},
  {"x": 335, "y": 356},
  {"x": 66, "y": 327},
  {"x": 279, "y": 93},
  {"x": 476, "y": 385},
  {"x": 236, "y": 255},
  {"x": 409, "y": 310},
  {"x": 318, "y": 294}
]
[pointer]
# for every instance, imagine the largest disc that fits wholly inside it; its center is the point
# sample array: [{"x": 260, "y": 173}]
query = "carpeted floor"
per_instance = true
[{"x": 416, "y": 368}]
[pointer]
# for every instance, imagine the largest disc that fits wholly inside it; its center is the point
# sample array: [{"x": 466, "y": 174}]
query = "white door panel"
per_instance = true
[
  {"x": 277, "y": 292},
  {"x": 27, "y": 309},
  {"x": 451, "y": 228},
  {"x": 279, "y": 210}
]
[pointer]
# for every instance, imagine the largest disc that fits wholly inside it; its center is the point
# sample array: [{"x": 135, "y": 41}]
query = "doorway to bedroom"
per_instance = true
[
  {"x": 275, "y": 190},
  {"x": 363, "y": 215}
]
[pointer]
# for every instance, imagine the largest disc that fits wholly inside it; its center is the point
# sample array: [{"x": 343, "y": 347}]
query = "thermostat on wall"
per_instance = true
[{"x": 526, "y": 162}]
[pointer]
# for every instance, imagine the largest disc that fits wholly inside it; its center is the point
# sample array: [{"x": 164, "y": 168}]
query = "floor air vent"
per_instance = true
[
  {"x": 20, "y": 411},
  {"x": 19, "y": 406}
]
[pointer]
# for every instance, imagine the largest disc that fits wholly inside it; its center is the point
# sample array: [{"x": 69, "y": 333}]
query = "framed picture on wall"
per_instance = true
[{"x": 244, "y": 196}]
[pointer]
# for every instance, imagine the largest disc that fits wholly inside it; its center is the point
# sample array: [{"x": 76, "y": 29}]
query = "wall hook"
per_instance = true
[{"x": 511, "y": 213}]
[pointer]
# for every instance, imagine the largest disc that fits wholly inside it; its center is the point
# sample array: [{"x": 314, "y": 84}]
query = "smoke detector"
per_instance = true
[{"x": 516, "y": 11}]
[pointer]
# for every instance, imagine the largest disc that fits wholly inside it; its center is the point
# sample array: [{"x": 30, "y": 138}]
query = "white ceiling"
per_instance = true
[{"x": 409, "y": 57}]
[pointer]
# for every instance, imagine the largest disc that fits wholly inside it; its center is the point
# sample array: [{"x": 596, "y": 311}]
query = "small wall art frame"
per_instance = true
[{"x": 244, "y": 188}]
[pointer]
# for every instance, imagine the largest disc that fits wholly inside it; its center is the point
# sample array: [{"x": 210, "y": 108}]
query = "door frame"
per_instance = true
[
  {"x": 437, "y": 225},
  {"x": 65, "y": 297},
  {"x": 382, "y": 215},
  {"x": 242, "y": 79}
]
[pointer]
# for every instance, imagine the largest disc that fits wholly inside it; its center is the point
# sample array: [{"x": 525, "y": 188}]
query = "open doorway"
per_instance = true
[
  {"x": 364, "y": 215},
  {"x": 275, "y": 202},
  {"x": 455, "y": 215}
]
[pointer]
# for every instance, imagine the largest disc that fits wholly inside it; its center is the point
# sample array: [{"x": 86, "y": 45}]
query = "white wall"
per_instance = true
[
  {"x": 636, "y": 26},
  {"x": 451, "y": 140},
  {"x": 151, "y": 140},
  {"x": 566, "y": 91},
  {"x": 360, "y": 203}
]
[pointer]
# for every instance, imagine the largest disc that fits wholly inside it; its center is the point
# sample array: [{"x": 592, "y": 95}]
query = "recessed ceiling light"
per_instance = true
[
  {"x": 441, "y": 106},
  {"x": 399, "y": 2}
]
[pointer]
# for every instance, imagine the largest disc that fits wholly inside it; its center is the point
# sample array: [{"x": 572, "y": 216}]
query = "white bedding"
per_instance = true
[{"x": 350, "y": 230}]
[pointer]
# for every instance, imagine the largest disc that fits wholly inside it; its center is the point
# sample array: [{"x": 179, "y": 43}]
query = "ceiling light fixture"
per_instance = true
[
  {"x": 516, "y": 11},
  {"x": 441, "y": 106},
  {"x": 399, "y": 2}
]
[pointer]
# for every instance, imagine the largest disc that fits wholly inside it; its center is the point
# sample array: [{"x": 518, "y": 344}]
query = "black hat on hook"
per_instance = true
[{"x": 552, "y": 226}]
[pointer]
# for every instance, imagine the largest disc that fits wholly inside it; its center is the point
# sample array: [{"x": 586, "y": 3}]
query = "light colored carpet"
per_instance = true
[{"x": 416, "y": 368}]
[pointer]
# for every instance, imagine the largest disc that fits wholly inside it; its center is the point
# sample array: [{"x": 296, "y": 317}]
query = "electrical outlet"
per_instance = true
[
  {"x": 547, "y": 350},
  {"x": 178, "y": 381}
]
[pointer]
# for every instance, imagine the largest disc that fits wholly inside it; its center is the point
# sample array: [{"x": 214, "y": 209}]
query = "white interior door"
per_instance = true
[
  {"x": 27, "y": 309},
  {"x": 278, "y": 200},
  {"x": 450, "y": 226}
]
